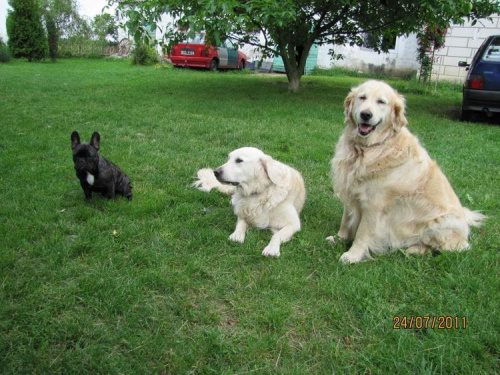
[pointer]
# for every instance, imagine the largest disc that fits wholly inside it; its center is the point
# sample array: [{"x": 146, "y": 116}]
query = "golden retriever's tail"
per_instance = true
[{"x": 474, "y": 218}]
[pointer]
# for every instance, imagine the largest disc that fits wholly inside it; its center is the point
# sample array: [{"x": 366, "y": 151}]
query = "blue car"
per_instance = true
[{"x": 481, "y": 92}]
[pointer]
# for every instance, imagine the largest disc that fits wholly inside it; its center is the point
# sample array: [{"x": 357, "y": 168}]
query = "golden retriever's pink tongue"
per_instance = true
[{"x": 365, "y": 128}]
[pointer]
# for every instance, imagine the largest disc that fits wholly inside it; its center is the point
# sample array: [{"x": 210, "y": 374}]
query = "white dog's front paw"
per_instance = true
[
  {"x": 330, "y": 239},
  {"x": 206, "y": 180},
  {"x": 200, "y": 185},
  {"x": 271, "y": 251},
  {"x": 237, "y": 237},
  {"x": 349, "y": 257}
]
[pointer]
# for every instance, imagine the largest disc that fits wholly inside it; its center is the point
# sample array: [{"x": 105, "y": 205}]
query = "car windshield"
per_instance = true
[
  {"x": 492, "y": 52},
  {"x": 199, "y": 38}
]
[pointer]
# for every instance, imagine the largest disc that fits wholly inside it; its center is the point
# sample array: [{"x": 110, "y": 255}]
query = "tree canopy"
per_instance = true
[
  {"x": 104, "y": 26},
  {"x": 289, "y": 28},
  {"x": 61, "y": 19}
]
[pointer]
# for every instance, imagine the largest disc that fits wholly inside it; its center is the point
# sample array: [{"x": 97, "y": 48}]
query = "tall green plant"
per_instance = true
[
  {"x": 430, "y": 39},
  {"x": 26, "y": 34},
  {"x": 61, "y": 20},
  {"x": 144, "y": 55},
  {"x": 52, "y": 36},
  {"x": 81, "y": 46},
  {"x": 4, "y": 52}
]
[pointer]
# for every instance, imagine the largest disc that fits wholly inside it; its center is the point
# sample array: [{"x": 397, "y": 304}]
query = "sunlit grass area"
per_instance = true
[{"x": 154, "y": 285}]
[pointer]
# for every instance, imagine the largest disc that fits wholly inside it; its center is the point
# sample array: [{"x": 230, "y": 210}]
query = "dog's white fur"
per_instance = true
[
  {"x": 394, "y": 194},
  {"x": 266, "y": 194}
]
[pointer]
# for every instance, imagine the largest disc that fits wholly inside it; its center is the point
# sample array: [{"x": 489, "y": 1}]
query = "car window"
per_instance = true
[
  {"x": 492, "y": 52},
  {"x": 199, "y": 38}
]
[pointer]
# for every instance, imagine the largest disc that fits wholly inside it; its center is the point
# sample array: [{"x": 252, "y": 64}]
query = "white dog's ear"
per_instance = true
[
  {"x": 398, "y": 111},
  {"x": 348, "y": 103},
  {"x": 277, "y": 172}
]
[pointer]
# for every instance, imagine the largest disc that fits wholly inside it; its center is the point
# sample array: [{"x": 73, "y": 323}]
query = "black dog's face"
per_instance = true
[{"x": 85, "y": 156}]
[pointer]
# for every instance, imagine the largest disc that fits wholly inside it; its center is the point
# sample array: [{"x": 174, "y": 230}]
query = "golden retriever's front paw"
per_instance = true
[
  {"x": 349, "y": 257},
  {"x": 336, "y": 239},
  {"x": 237, "y": 237},
  {"x": 343, "y": 234},
  {"x": 417, "y": 250},
  {"x": 271, "y": 251}
]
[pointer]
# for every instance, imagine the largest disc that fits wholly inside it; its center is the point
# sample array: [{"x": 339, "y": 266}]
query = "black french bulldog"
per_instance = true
[{"x": 95, "y": 172}]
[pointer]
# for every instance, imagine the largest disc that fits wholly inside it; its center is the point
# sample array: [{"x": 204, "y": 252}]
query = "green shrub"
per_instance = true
[
  {"x": 144, "y": 55},
  {"x": 81, "y": 46},
  {"x": 26, "y": 34},
  {"x": 4, "y": 52}
]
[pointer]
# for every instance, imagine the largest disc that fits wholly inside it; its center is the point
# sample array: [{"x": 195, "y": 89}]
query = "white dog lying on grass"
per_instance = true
[{"x": 265, "y": 193}]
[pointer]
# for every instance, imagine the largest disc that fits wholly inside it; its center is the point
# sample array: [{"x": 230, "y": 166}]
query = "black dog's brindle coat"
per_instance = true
[{"x": 96, "y": 174}]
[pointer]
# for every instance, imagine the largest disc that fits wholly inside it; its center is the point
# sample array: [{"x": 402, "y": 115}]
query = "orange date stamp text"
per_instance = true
[{"x": 428, "y": 321}]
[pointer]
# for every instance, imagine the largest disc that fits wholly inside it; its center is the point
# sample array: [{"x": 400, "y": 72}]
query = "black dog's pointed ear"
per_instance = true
[
  {"x": 75, "y": 139},
  {"x": 95, "y": 141}
]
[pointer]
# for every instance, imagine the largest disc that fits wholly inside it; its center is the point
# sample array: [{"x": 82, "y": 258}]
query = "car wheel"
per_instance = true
[
  {"x": 214, "y": 65},
  {"x": 464, "y": 115},
  {"x": 241, "y": 66}
]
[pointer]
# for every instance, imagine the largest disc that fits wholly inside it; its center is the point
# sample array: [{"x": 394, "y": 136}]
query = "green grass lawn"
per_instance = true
[{"x": 155, "y": 286}]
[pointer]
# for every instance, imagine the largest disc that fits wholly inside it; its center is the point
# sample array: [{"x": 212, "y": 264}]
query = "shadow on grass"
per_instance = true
[{"x": 479, "y": 117}]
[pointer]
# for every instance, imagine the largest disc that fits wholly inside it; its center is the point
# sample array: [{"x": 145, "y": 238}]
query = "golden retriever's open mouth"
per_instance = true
[{"x": 364, "y": 129}]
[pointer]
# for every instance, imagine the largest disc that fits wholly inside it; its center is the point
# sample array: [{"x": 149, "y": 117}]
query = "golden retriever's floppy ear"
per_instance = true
[
  {"x": 348, "y": 102},
  {"x": 398, "y": 111},
  {"x": 277, "y": 172}
]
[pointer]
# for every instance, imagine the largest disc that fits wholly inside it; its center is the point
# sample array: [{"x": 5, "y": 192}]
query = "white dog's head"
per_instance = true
[
  {"x": 252, "y": 170},
  {"x": 374, "y": 111}
]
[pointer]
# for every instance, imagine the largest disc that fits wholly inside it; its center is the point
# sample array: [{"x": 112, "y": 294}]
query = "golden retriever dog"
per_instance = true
[
  {"x": 265, "y": 193},
  {"x": 394, "y": 195}
]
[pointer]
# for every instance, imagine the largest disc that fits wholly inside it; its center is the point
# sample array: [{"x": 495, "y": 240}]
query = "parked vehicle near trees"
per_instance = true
[
  {"x": 195, "y": 52},
  {"x": 481, "y": 91}
]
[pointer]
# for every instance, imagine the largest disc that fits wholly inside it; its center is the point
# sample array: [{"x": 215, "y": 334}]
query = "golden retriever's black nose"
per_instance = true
[
  {"x": 217, "y": 173},
  {"x": 366, "y": 115}
]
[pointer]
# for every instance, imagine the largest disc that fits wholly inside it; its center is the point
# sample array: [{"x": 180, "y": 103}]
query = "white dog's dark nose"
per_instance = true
[
  {"x": 366, "y": 115},
  {"x": 218, "y": 173}
]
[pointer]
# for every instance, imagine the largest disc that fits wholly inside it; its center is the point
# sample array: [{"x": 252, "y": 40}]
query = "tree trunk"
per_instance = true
[
  {"x": 293, "y": 81},
  {"x": 52, "y": 36},
  {"x": 294, "y": 60}
]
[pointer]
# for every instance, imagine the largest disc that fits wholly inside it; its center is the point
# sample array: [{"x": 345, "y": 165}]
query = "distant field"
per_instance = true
[{"x": 154, "y": 286}]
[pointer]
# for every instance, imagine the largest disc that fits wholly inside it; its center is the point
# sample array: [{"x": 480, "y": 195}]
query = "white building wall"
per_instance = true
[
  {"x": 461, "y": 44},
  {"x": 401, "y": 60}
]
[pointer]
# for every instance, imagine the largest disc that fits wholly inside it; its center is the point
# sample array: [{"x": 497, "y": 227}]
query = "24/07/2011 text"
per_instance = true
[{"x": 427, "y": 321}]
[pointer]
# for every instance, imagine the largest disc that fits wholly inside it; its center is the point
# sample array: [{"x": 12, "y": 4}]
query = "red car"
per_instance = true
[{"x": 195, "y": 53}]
